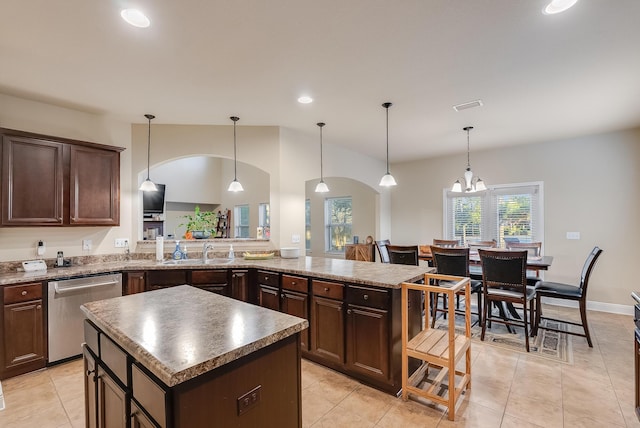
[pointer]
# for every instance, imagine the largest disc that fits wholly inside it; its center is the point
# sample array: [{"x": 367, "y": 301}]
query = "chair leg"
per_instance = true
[
  {"x": 525, "y": 319},
  {"x": 480, "y": 308},
  {"x": 532, "y": 316},
  {"x": 583, "y": 315},
  {"x": 484, "y": 317},
  {"x": 538, "y": 314}
]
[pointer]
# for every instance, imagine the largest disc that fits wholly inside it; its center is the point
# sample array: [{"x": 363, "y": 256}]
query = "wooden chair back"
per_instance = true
[
  {"x": 504, "y": 273},
  {"x": 446, "y": 242},
  {"x": 534, "y": 249},
  {"x": 451, "y": 261},
  {"x": 382, "y": 250},
  {"x": 403, "y": 254}
]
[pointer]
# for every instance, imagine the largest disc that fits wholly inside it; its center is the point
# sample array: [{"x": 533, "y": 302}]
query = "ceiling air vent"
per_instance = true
[{"x": 470, "y": 104}]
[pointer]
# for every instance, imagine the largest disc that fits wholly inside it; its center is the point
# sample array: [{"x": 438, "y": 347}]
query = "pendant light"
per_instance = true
[
  {"x": 148, "y": 185},
  {"x": 472, "y": 183},
  {"x": 387, "y": 179},
  {"x": 322, "y": 186},
  {"x": 235, "y": 185}
]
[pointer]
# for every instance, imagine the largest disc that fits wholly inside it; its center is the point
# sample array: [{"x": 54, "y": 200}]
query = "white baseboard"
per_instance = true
[{"x": 613, "y": 308}]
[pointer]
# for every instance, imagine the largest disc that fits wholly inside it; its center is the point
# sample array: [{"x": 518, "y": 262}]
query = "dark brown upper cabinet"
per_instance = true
[{"x": 51, "y": 181}]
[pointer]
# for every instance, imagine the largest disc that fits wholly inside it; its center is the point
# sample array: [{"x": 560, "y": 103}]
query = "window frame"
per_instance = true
[
  {"x": 328, "y": 248},
  {"x": 489, "y": 222},
  {"x": 237, "y": 224}
]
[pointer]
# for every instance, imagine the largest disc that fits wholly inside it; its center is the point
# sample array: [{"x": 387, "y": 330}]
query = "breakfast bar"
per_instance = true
[{"x": 184, "y": 357}]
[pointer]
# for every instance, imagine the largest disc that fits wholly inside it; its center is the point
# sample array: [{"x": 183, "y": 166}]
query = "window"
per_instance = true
[
  {"x": 307, "y": 224},
  {"x": 338, "y": 221},
  {"x": 264, "y": 220},
  {"x": 241, "y": 214},
  {"x": 506, "y": 212}
]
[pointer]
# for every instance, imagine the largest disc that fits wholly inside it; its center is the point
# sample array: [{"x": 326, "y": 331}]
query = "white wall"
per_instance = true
[
  {"x": 589, "y": 187},
  {"x": 19, "y": 243}
]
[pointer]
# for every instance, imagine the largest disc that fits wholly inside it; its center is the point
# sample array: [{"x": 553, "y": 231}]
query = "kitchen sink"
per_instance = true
[{"x": 211, "y": 261}]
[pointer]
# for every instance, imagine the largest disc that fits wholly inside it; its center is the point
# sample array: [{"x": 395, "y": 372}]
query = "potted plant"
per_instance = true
[{"x": 200, "y": 224}]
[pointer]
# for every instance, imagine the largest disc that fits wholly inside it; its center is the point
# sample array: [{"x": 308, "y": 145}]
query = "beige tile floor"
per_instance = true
[{"x": 509, "y": 389}]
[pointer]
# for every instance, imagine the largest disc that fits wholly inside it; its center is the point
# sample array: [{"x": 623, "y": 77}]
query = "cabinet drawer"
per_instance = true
[
  {"x": 371, "y": 297},
  {"x": 114, "y": 358},
  {"x": 208, "y": 277},
  {"x": 151, "y": 396},
  {"x": 166, "y": 277},
  {"x": 332, "y": 290},
  {"x": 268, "y": 278},
  {"x": 295, "y": 283},
  {"x": 22, "y": 293},
  {"x": 91, "y": 337}
]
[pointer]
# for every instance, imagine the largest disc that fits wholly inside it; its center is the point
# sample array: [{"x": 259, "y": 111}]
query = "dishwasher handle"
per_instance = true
[{"x": 63, "y": 290}]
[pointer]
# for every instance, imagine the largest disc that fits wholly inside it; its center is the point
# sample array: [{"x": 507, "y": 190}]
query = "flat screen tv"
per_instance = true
[{"x": 153, "y": 202}]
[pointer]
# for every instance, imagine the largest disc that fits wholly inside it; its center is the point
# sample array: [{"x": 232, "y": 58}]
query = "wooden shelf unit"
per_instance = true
[{"x": 438, "y": 349}]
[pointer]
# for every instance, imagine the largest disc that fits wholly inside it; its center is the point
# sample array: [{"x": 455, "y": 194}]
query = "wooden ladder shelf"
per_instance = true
[{"x": 440, "y": 350}]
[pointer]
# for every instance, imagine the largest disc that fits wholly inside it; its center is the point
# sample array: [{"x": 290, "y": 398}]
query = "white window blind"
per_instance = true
[
  {"x": 338, "y": 221},
  {"x": 502, "y": 212}
]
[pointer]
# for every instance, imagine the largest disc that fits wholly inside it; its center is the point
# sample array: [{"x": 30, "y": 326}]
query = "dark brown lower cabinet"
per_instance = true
[
  {"x": 297, "y": 304},
  {"x": 368, "y": 341},
  {"x": 134, "y": 282},
  {"x": 240, "y": 285},
  {"x": 327, "y": 329},
  {"x": 269, "y": 297},
  {"x": 90, "y": 389},
  {"x": 215, "y": 281},
  {"x": 113, "y": 401},
  {"x": 139, "y": 419},
  {"x": 23, "y": 345}
]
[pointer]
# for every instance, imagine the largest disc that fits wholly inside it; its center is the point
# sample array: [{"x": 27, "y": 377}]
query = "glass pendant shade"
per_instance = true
[
  {"x": 235, "y": 185},
  {"x": 321, "y": 187},
  {"x": 148, "y": 185},
  {"x": 387, "y": 180},
  {"x": 457, "y": 186}
]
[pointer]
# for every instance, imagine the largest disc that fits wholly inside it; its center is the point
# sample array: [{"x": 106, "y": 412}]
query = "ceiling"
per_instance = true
[{"x": 540, "y": 77}]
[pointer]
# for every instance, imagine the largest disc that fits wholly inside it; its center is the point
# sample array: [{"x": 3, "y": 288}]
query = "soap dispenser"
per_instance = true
[
  {"x": 231, "y": 253},
  {"x": 177, "y": 254}
]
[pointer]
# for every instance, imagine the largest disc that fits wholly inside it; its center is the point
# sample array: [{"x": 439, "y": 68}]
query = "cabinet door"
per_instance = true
[
  {"x": 240, "y": 285},
  {"x": 133, "y": 282},
  {"x": 24, "y": 339},
  {"x": 368, "y": 341},
  {"x": 297, "y": 304},
  {"x": 90, "y": 389},
  {"x": 139, "y": 419},
  {"x": 268, "y": 297},
  {"x": 214, "y": 281},
  {"x": 327, "y": 329},
  {"x": 94, "y": 180},
  {"x": 157, "y": 279},
  {"x": 32, "y": 182},
  {"x": 112, "y": 402}
]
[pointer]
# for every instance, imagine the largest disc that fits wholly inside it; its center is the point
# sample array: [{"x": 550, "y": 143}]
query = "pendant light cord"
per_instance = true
[
  {"x": 468, "y": 128},
  {"x": 386, "y": 106},
  {"x": 321, "y": 175},
  {"x": 149, "y": 117},
  {"x": 235, "y": 158}
]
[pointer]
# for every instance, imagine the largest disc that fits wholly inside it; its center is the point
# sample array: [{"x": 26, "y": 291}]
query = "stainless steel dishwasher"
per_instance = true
[{"x": 66, "y": 331}]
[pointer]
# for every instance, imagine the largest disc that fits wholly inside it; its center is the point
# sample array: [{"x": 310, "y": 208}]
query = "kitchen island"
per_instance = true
[{"x": 184, "y": 357}]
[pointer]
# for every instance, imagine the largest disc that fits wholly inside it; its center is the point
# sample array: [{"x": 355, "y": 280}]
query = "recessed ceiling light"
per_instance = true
[
  {"x": 557, "y": 6},
  {"x": 305, "y": 100},
  {"x": 470, "y": 104},
  {"x": 135, "y": 18}
]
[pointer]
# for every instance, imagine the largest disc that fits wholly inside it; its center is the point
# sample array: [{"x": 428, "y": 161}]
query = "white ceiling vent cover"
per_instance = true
[{"x": 470, "y": 104}]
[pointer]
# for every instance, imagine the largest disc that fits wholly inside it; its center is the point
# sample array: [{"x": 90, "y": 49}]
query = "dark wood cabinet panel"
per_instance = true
[
  {"x": 240, "y": 285},
  {"x": 368, "y": 341},
  {"x": 113, "y": 402},
  {"x": 139, "y": 419},
  {"x": 32, "y": 182},
  {"x": 90, "y": 389},
  {"x": 214, "y": 281},
  {"x": 297, "y": 304},
  {"x": 165, "y": 278},
  {"x": 94, "y": 177},
  {"x": 269, "y": 297},
  {"x": 327, "y": 329},
  {"x": 134, "y": 282},
  {"x": 52, "y": 181}
]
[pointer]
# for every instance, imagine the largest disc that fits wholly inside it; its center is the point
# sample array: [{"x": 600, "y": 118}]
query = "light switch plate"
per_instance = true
[
  {"x": 573, "y": 235},
  {"x": 86, "y": 244},
  {"x": 295, "y": 238},
  {"x": 121, "y": 243}
]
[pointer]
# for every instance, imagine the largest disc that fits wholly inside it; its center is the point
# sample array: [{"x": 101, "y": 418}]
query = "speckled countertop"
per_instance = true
[
  {"x": 367, "y": 273},
  {"x": 181, "y": 332}
]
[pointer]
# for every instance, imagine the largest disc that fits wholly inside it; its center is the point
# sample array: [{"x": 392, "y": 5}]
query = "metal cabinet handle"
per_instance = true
[
  {"x": 39, "y": 307},
  {"x": 349, "y": 311},
  {"x": 24, "y": 293},
  {"x": 266, "y": 278},
  {"x": 326, "y": 289},
  {"x": 366, "y": 297},
  {"x": 293, "y": 283},
  {"x": 282, "y": 296}
]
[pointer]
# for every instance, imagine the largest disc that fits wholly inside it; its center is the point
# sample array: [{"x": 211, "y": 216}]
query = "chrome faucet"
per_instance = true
[{"x": 205, "y": 248}]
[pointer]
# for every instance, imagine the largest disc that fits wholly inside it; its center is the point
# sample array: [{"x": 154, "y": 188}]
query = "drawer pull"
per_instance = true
[
  {"x": 24, "y": 293},
  {"x": 39, "y": 307},
  {"x": 293, "y": 283},
  {"x": 366, "y": 297},
  {"x": 266, "y": 278},
  {"x": 349, "y": 311},
  {"x": 282, "y": 296},
  {"x": 326, "y": 289}
]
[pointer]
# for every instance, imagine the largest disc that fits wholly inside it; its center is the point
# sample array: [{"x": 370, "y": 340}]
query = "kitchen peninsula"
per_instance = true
[{"x": 188, "y": 358}]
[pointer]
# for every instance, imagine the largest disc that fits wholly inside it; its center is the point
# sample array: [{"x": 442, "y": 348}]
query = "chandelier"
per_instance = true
[{"x": 472, "y": 183}]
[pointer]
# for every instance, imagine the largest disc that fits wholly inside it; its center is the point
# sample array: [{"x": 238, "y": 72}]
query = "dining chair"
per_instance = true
[
  {"x": 568, "y": 292},
  {"x": 476, "y": 245},
  {"x": 504, "y": 277},
  {"x": 403, "y": 254},
  {"x": 453, "y": 261},
  {"x": 450, "y": 243},
  {"x": 534, "y": 249},
  {"x": 382, "y": 250}
]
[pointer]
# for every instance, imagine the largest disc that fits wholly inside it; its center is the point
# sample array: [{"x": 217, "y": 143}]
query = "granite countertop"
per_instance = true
[
  {"x": 367, "y": 273},
  {"x": 181, "y": 332}
]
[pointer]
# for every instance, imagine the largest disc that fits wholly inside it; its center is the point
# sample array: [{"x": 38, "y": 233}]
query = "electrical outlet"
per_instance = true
[
  {"x": 573, "y": 235},
  {"x": 86, "y": 244},
  {"x": 121, "y": 243},
  {"x": 295, "y": 238},
  {"x": 249, "y": 400}
]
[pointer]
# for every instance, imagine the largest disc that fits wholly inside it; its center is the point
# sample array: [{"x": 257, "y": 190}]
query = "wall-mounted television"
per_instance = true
[{"x": 153, "y": 202}]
